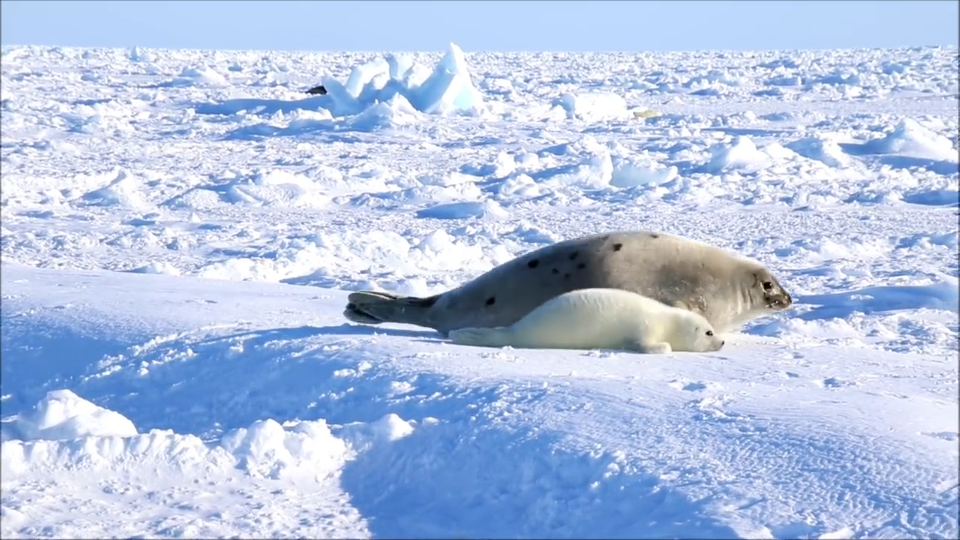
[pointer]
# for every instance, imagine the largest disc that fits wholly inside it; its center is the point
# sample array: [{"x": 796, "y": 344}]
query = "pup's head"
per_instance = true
[{"x": 701, "y": 337}]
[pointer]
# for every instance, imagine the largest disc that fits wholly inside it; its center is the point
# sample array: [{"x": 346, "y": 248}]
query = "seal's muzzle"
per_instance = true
[{"x": 780, "y": 301}]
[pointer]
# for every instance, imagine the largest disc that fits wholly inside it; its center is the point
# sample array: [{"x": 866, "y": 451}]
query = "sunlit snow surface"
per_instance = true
[{"x": 180, "y": 230}]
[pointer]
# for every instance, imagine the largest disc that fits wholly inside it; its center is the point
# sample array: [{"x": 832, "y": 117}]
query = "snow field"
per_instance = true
[{"x": 180, "y": 230}]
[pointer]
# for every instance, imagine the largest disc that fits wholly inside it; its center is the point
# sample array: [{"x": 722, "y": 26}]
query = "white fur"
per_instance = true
[{"x": 600, "y": 319}]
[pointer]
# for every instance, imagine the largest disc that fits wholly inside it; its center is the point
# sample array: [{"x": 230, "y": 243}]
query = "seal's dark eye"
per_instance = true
[
  {"x": 767, "y": 285},
  {"x": 710, "y": 333}
]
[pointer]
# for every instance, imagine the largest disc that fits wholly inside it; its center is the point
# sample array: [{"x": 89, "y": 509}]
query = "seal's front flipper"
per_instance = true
[
  {"x": 652, "y": 348},
  {"x": 371, "y": 307},
  {"x": 481, "y": 337}
]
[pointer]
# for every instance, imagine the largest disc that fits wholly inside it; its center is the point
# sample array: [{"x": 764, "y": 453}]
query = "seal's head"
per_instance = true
[
  {"x": 768, "y": 292},
  {"x": 701, "y": 337}
]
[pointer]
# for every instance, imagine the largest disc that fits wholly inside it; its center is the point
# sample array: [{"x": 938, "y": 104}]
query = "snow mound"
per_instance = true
[
  {"x": 821, "y": 148},
  {"x": 594, "y": 106},
  {"x": 267, "y": 449},
  {"x": 123, "y": 190},
  {"x": 447, "y": 179},
  {"x": 909, "y": 138},
  {"x": 276, "y": 187},
  {"x": 362, "y": 435},
  {"x": 198, "y": 76},
  {"x": 396, "y": 111},
  {"x": 633, "y": 171},
  {"x": 446, "y": 252},
  {"x": 65, "y": 430},
  {"x": 589, "y": 165},
  {"x": 164, "y": 268},
  {"x": 740, "y": 155},
  {"x": 518, "y": 186},
  {"x": 63, "y": 415},
  {"x": 594, "y": 172},
  {"x": 463, "y": 210},
  {"x": 261, "y": 188}
]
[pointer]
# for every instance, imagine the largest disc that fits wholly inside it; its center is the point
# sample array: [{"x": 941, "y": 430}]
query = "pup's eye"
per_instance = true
[
  {"x": 767, "y": 285},
  {"x": 710, "y": 333}
]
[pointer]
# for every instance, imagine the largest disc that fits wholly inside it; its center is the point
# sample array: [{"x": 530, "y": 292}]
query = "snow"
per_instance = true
[
  {"x": 63, "y": 415},
  {"x": 594, "y": 106},
  {"x": 911, "y": 139},
  {"x": 190, "y": 76},
  {"x": 460, "y": 210},
  {"x": 180, "y": 230}
]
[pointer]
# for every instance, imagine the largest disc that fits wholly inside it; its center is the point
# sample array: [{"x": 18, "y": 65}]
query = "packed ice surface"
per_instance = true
[{"x": 180, "y": 230}]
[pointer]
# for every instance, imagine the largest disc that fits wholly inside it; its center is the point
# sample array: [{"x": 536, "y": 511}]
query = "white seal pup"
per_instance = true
[
  {"x": 725, "y": 288},
  {"x": 600, "y": 319}
]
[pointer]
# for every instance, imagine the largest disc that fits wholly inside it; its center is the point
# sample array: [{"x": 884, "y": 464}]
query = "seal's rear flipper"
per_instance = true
[
  {"x": 371, "y": 307},
  {"x": 354, "y": 315}
]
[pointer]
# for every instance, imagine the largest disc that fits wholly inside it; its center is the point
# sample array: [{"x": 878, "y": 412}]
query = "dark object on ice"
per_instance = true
[{"x": 319, "y": 89}]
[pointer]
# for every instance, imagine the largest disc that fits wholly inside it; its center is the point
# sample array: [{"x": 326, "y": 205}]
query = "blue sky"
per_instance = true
[{"x": 477, "y": 26}]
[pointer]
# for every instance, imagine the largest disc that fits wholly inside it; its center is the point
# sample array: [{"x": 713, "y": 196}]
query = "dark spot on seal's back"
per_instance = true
[
  {"x": 491, "y": 300},
  {"x": 534, "y": 263},
  {"x": 566, "y": 276},
  {"x": 654, "y": 235},
  {"x": 555, "y": 271},
  {"x": 581, "y": 266},
  {"x": 574, "y": 255},
  {"x": 617, "y": 247}
]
